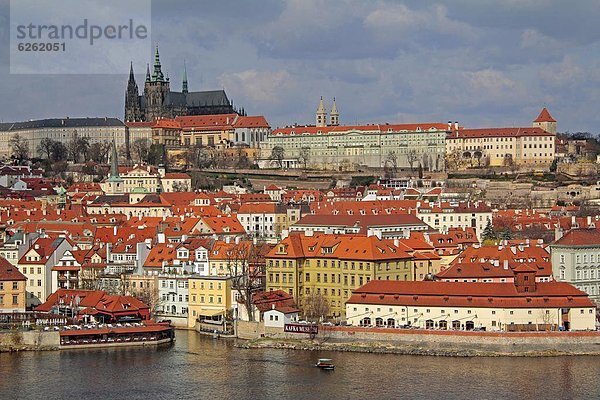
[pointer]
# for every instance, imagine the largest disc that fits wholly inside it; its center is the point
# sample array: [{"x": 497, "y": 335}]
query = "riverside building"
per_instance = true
[{"x": 523, "y": 305}]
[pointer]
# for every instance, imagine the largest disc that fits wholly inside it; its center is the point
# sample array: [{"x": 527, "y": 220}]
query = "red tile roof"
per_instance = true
[
  {"x": 469, "y": 294},
  {"x": 9, "y": 272},
  {"x": 544, "y": 116},
  {"x": 497, "y": 132},
  {"x": 374, "y": 128},
  {"x": 580, "y": 237}
]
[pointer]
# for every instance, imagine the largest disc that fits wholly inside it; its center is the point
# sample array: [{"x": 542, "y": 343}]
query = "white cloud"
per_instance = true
[{"x": 258, "y": 86}]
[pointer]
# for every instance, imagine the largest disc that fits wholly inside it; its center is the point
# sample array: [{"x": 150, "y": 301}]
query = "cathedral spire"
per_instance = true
[
  {"x": 131, "y": 75},
  {"x": 184, "y": 86},
  {"x": 114, "y": 162},
  {"x": 114, "y": 181},
  {"x": 157, "y": 74},
  {"x": 147, "y": 72}
]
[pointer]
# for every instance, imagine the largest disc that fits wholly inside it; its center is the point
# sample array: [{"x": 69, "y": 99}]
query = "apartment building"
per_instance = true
[{"x": 334, "y": 265}]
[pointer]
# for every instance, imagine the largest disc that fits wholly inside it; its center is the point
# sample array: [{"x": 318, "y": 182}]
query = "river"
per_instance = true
[{"x": 198, "y": 367}]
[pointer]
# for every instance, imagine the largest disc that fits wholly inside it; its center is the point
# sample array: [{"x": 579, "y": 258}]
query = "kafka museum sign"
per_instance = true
[{"x": 300, "y": 328}]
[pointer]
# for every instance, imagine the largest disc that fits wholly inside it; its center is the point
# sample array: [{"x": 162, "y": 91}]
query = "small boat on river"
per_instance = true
[{"x": 325, "y": 363}]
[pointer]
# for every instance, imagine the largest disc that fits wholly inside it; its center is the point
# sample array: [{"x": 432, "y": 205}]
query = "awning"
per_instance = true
[{"x": 210, "y": 313}]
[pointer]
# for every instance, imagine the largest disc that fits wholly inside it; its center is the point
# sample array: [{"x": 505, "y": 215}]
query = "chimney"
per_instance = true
[
  {"x": 505, "y": 265},
  {"x": 115, "y": 230},
  {"x": 227, "y": 239},
  {"x": 449, "y": 125},
  {"x": 396, "y": 242},
  {"x": 456, "y": 125}
]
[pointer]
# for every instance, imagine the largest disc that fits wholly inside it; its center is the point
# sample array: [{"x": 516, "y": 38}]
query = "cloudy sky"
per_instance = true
[{"x": 480, "y": 62}]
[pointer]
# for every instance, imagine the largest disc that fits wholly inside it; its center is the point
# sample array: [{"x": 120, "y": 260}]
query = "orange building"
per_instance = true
[{"x": 12, "y": 288}]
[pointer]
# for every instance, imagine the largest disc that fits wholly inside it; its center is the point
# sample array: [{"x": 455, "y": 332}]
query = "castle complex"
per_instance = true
[{"x": 159, "y": 101}]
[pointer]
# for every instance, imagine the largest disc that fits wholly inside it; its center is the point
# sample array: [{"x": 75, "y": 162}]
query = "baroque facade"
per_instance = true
[{"x": 351, "y": 147}]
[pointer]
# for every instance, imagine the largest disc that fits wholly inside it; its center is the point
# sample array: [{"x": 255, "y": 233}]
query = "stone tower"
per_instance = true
[
  {"x": 321, "y": 115},
  {"x": 334, "y": 115},
  {"x": 545, "y": 122},
  {"x": 155, "y": 90},
  {"x": 133, "y": 110}
]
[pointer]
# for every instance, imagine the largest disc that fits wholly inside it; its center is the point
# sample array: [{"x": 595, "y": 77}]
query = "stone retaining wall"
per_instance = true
[
  {"x": 432, "y": 342},
  {"x": 29, "y": 340}
]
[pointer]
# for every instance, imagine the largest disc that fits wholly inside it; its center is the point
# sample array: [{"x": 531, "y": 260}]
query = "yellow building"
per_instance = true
[
  {"x": 210, "y": 302},
  {"x": 12, "y": 288},
  {"x": 334, "y": 265}
]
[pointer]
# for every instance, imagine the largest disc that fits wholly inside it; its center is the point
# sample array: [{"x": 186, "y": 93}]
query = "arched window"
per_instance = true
[
  {"x": 391, "y": 322},
  {"x": 366, "y": 321},
  {"x": 429, "y": 324},
  {"x": 443, "y": 324},
  {"x": 379, "y": 321}
]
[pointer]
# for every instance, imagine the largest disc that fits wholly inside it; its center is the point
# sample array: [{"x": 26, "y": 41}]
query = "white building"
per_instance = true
[
  {"x": 96, "y": 130},
  {"x": 576, "y": 259},
  {"x": 524, "y": 305}
]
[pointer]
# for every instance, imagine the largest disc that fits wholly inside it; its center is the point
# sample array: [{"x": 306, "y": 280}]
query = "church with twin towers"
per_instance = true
[{"x": 159, "y": 101}]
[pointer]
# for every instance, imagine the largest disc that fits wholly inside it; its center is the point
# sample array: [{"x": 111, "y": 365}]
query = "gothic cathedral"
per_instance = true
[{"x": 158, "y": 101}]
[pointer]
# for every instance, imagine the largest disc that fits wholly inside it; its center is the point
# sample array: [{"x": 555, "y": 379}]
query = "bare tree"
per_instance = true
[
  {"x": 246, "y": 267},
  {"x": 44, "y": 149},
  {"x": 316, "y": 307},
  {"x": 412, "y": 158},
  {"x": 78, "y": 146},
  {"x": 390, "y": 165},
  {"x": 304, "y": 156},
  {"x": 140, "y": 148},
  {"x": 149, "y": 295},
  {"x": 277, "y": 155},
  {"x": 19, "y": 147}
]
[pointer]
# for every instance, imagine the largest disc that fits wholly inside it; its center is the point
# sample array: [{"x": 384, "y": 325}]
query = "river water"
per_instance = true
[{"x": 198, "y": 367}]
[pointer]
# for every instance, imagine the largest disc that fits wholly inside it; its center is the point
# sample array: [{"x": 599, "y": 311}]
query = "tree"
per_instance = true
[
  {"x": 157, "y": 154},
  {"x": 44, "y": 149},
  {"x": 390, "y": 165},
  {"x": 59, "y": 151},
  {"x": 140, "y": 149},
  {"x": 554, "y": 165},
  {"x": 478, "y": 155},
  {"x": 78, "y": 146},
  {"x": 277, "y": 155},
  {"x": 19, "y": 147},
  {"x": 411, "y": 158},
  {"x": 98, "y": 152},
  {"x": 316, "y": 307},
  {"x": 149, "y": 295},
  {"x": 304, "y": 156},
  {"x": 246, "y": 267},
  {"x": 488, "y": 233},
  {"x": 506, "y": 234}
]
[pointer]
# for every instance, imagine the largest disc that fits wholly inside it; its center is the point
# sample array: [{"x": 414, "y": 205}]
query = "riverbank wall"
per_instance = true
[
  {"x": 29, "y": 340},
  {"x": 425, "y": 342}
]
